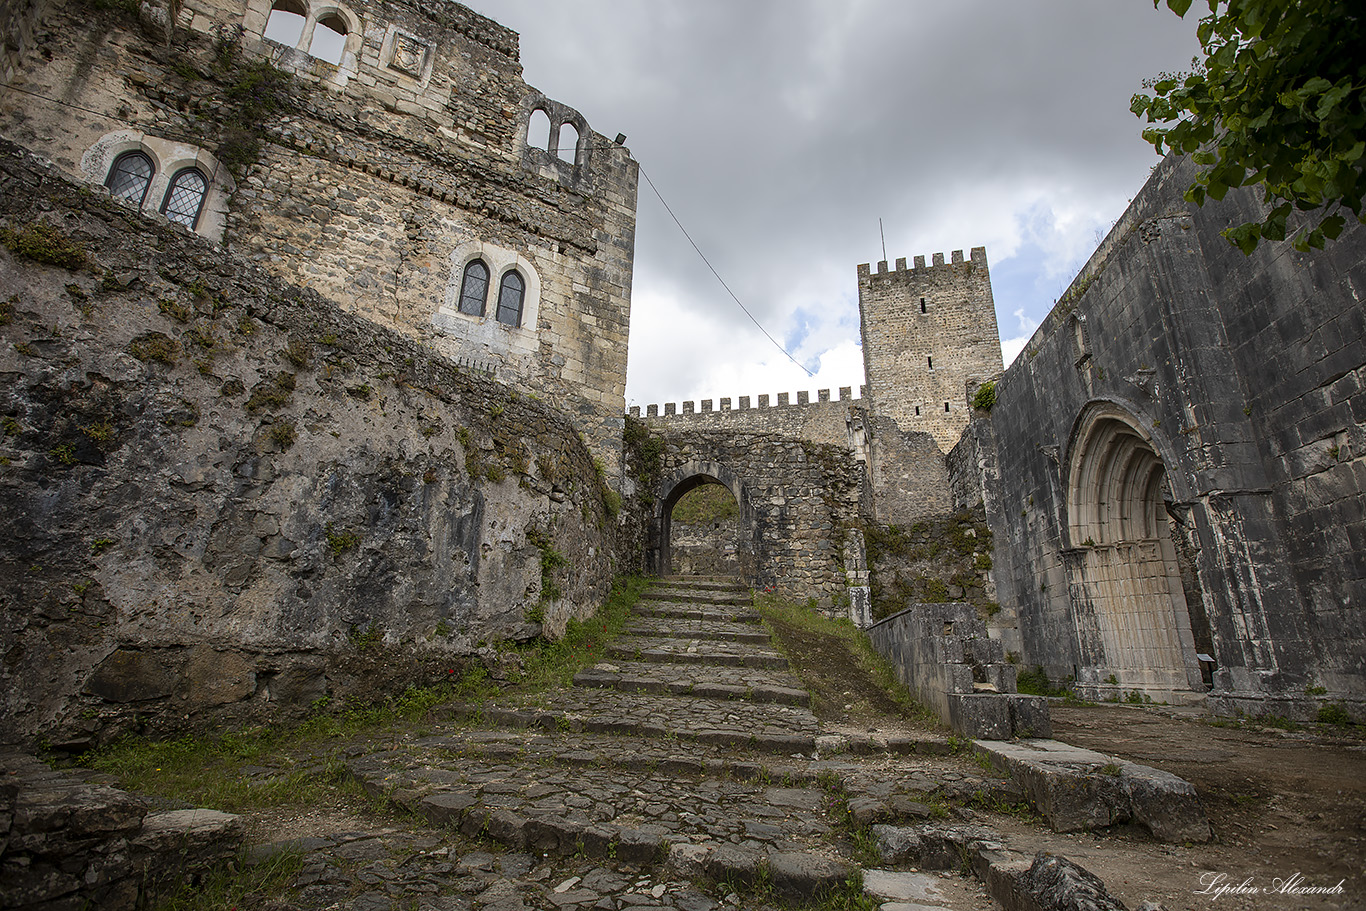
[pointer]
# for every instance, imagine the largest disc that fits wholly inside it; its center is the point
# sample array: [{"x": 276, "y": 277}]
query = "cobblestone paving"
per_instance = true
[{"x": 637, "y": 788}]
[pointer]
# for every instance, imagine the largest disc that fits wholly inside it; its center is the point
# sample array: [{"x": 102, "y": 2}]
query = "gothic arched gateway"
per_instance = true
[{"x": 1132, "y": 621}]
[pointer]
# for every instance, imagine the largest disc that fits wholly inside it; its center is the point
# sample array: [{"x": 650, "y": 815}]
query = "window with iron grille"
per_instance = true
[
  {"x": 130, "y": 177},
  {"x": 511, "y": 291},
  {"x": 474, "y": 288},
  {"x": 185, "y": 197}
]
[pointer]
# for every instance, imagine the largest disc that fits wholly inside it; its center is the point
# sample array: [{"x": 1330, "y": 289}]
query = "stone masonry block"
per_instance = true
[{"x": 979, "y": 716}]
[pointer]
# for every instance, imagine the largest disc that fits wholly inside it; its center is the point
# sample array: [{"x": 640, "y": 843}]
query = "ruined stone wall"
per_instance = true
[
  {"x": 18, "y": 23},
  {"x": 797, "y": 500},
  {"x": 1235, "y": 385},
  {"x": 226, "y": 497},
  {"x": 374, "y": 181},
  {"x": 907, "y": 476},
  {"x": 929, "y": 339}
]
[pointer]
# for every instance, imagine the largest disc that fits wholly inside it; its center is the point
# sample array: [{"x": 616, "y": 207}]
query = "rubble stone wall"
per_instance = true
[
  {"x": 796, "y": 502},
  {"x": 227, "y": 497},
  {"x": 907, "y": 475}
]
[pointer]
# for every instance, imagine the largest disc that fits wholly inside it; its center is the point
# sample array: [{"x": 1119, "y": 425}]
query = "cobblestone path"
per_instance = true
[{"x": 685, "y": 771}]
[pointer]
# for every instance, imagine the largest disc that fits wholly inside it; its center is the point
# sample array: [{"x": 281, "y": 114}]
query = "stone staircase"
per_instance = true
[{"x": 688, "y": 755}]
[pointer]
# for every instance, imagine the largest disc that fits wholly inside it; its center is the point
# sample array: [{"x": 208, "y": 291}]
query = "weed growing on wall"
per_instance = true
[
  {"x": 43, "y": 243},
  {"x": 256, "y": 94}
]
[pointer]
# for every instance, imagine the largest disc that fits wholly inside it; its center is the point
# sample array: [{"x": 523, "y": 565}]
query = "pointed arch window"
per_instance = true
[
  {"x": 130, "y": 176},
  {"x": 511, "y": 292},
  {"x": 474, "y": 288},
  {"x": 185, "y": 197}
]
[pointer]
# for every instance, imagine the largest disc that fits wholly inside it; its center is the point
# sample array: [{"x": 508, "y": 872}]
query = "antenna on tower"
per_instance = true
[{"x": 884, "y": 239}]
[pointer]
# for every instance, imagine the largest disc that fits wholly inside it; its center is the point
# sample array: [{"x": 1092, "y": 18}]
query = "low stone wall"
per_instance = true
[
  {"x": 944, "y": 656},
  {"x": 67, "y": 843},
  {"x": 226, "y": 497}
]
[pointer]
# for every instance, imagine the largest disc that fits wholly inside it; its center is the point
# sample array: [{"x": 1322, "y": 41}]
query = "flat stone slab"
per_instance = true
[
  {"x": 696, "y": 680},
  {"x": 1076, "y": 788},
  {"x": 697, "y": 628},
  {"x": 903, "y": 888},
  {"x": 696, "y": 651}
]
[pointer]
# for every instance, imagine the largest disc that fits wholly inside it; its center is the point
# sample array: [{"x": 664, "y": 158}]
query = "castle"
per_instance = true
[{"x": 318, "y": 317}]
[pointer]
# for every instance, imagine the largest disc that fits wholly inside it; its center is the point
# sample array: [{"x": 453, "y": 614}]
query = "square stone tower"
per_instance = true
[{"x": 929, "y": 340}]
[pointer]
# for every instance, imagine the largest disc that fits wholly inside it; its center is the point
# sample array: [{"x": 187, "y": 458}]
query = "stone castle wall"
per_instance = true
[
  {"x": 907, "y": 476},
  {"x": 227, "y": 498},
  {"x": 798, "y": 501},
  {"x": 373, "y": 181},
  {"x": 929, "y": 339},
  {"x": 821, "y": 421},
  {"x": 1231, "y": 390}
]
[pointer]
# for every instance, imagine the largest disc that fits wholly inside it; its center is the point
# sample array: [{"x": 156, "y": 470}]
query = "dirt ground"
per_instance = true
[{"x": 1281, "y": 803}]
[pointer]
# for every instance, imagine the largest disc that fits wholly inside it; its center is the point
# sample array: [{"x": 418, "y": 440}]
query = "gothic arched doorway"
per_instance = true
[{"x": 1133, "y": 623}]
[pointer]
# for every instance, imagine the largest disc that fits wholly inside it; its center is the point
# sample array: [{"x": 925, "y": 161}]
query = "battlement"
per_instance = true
[
  {"x": 977, "y": 256},
  {"x": 784, "y": 400}
]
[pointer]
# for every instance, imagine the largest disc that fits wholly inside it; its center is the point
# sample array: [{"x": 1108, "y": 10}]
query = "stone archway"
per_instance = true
[
  {"x": 684, "y": 480},
  {"x": 1134, "y": 628}
]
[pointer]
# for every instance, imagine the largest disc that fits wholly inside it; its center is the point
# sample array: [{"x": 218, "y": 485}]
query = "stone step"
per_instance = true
[
  {"x": 695, "y": 596},
  {"x": 695, "y": 651},
  {"x": 707, "y": 681},
  {"x": 705, "y": 583},
  {"x": 570, "y": 801},
  {"x": 1079, "y": 789},
  {"x": 762, "y": 727},
  {"x": 650, "y": 608},
  {"x": 696, "y": 628}
]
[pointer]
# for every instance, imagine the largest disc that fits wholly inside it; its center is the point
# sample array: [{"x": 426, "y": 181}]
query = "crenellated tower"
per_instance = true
[{"x": 929, "y": 339}]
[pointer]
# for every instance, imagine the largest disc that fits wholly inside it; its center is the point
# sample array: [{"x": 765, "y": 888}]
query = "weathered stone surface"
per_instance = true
[
  {"x": 801, "y": 874},
  {"x": 1076, "y": 789},
  {"x": 70, "y": 844},
  {"x": 282, "y": 502},
  {"x": 899, "y": 886},
  {"x": 1054, "y": 882},
  {"x": 1238, "y": 383},
  {"x": 897, "y": 844}
]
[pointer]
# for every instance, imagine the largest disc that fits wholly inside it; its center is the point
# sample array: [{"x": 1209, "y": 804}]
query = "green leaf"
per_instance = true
[
  {"x": 1178, "y": 6},
  {"x": 1244, "y": 237},
  {"x": 1331, "y": 98},
  {"x": 1332, "y": 226}
]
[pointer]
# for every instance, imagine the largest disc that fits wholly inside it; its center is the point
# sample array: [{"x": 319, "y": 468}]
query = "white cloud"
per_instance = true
[
  {"x": 1011, "y": 347},
  {"x": 780, "y": 131}
]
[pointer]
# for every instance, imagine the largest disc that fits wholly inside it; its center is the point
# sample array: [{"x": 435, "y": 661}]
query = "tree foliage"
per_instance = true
[{"x": 1280, "y": 101}]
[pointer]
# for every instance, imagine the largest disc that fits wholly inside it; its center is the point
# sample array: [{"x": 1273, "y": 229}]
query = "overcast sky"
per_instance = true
[{"x": 780, "y": 131}]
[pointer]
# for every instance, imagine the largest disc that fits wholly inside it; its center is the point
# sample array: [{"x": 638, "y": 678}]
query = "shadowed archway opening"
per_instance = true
[
  {"x": 705, "y": 525},
  {"x": 1134, "y": 624},
  {"x": 705, "y": 529}
]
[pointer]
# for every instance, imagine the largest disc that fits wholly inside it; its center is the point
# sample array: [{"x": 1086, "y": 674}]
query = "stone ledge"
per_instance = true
[{"x": 1076, "y": 788}]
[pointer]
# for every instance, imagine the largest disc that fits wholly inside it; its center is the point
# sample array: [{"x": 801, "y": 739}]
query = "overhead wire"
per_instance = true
[{"x": 732, "y": 294}]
